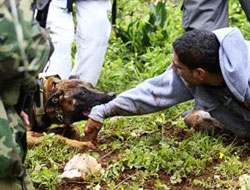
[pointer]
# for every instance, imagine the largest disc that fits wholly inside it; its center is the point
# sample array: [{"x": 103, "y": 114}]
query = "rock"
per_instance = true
[{"x": 80, "y": 166}]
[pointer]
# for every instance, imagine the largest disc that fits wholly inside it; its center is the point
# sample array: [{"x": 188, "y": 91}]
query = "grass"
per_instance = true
[{"x": 155, "y": 151}]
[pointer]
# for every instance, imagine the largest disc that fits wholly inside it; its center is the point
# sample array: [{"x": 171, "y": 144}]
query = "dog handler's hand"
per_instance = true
[
  {"x": 91, "y": 130},
  {"x": 24, "y": 116}
]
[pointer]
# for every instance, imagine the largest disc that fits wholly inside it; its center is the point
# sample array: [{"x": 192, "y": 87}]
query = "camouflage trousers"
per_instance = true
[
  {"x": 15, "y": 184},
  {"x": 12, "y": 150}
]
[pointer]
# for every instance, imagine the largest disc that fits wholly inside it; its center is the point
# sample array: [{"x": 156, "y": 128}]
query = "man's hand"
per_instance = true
[
  {"x": 24, "y": 116},
  {"x": 91, "y": 130}
]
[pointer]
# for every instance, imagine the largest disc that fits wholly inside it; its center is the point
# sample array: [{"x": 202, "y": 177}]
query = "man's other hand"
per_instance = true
[
  {"x": 24, "y": 116},
  {"x": 91, "y": 130}
]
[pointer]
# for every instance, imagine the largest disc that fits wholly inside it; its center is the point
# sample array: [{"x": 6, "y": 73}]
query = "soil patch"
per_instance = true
[{"x": 108, "y": 155}]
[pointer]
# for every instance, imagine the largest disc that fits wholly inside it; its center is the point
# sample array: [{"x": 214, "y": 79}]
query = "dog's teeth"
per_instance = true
[{"x": 86, "y": 113}]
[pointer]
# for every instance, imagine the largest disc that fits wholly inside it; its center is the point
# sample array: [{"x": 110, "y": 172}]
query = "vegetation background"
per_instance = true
[{"x": 155, "y": 151}]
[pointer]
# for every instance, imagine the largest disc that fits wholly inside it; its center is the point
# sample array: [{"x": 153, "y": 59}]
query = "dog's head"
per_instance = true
[{"x": 68, "y": 101}]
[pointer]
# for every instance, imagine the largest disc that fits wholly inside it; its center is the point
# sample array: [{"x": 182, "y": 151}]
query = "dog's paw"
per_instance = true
[
  {"x": 77, "y": 144},
  {"x": 84, "y": 144}
]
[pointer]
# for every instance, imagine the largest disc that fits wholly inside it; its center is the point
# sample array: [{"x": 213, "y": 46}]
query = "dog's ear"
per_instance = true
[
  {"x": 49, "y": 84},
  {"x": 89, "y": 85}
]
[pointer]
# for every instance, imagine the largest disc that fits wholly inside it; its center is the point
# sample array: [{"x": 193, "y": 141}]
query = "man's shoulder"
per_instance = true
[{"x": 22, "y": 6}]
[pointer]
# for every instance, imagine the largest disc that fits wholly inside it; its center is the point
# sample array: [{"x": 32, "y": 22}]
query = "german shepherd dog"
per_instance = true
[{"x": 63, "y": 102}]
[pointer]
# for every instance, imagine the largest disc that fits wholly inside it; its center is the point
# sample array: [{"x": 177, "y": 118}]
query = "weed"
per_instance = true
[{"x": 45, "y": 160}]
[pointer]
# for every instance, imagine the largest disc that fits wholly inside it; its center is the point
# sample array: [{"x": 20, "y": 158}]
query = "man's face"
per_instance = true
[{"x": 188, "y": 75}]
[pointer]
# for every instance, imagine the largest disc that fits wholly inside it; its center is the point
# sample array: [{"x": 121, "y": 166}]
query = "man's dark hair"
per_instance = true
[{"x": 198, "y": 49}]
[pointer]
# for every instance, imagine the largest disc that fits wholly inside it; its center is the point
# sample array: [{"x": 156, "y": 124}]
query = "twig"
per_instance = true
[
  {"x": 123, "y": 181},
  {"x": 106, "y": 155},
  {"x": 109, "y": 153},
  {"x": 235, "y": 186},
  {"x": 70, "y": 187},
  {"x": 78, "y": 182},
  {"x": 236, "y": 183}
]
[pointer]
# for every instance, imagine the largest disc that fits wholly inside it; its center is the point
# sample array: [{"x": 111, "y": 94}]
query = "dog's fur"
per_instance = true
[{"x": 64, "y": 102}]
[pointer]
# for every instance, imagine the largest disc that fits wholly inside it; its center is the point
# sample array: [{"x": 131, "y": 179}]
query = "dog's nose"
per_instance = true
[{"x": 112, "y": 94}]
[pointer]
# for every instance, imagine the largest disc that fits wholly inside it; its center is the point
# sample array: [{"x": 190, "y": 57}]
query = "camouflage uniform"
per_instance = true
[{"x": 24, "y": 50}]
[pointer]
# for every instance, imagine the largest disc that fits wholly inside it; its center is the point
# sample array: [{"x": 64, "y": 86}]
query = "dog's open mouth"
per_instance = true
[
  {"x": 86, "y": 113},
  {"x": 103, "y": 98}
]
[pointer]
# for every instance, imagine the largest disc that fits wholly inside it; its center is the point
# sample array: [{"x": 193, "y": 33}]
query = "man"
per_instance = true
[
  {"x": 24, "y": 50},
  {"x": 210, "y": 67},
  {"x": 92, "y": 34}
]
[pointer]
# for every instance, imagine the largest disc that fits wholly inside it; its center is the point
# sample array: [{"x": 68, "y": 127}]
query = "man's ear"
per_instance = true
[{"x": 200, "y": 74}]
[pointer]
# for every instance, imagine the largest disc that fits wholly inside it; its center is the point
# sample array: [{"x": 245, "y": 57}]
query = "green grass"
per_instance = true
[{"x": 155, "y": 150}]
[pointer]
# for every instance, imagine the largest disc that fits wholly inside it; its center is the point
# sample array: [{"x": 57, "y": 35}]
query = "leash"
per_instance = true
[
  {"x": 59, "y": 114},
  {"x": 39, "y": 109},
  {"x": 39, "y": 106}
]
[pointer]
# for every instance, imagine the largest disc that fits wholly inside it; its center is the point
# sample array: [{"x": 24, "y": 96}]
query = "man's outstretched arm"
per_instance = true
[{"x": 150, "y": 96}]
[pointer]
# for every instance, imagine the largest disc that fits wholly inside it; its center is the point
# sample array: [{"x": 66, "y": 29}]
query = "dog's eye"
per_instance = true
[
  {"x": 83, "y": 92},
  {"x": 54, "y": 85}
]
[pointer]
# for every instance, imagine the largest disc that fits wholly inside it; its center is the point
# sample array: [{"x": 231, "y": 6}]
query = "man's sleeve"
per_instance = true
[
  {"x": 150, "y": 96},
  {"x": 24, "y": 51}
]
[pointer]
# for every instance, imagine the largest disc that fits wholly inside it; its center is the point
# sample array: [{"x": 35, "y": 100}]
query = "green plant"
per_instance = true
[
  {"x": 232, "y": 166},
  {"x": 138, "y": 32},
  {"x": 238, "y": 18},
  {"x": 45, "y": 160}
]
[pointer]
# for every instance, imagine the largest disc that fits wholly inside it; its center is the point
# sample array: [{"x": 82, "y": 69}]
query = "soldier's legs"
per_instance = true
[
  {"x": 61, "y": 27},
  {"x": 92, "y": 35},
  {"x": 15, "y": 184},
  {"x": 246, "y": 7},
  {"x": 204, "y": 14}
]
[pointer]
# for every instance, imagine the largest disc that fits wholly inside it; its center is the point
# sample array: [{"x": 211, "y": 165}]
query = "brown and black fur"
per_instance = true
[{"x": 65, "y": 102}]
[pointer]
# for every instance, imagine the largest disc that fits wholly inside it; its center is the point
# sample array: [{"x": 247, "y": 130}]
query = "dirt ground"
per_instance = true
[{"x": 186, "y": 184}]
